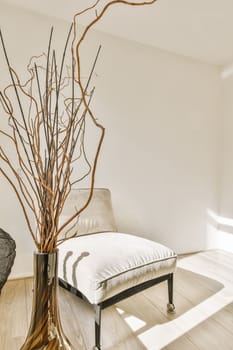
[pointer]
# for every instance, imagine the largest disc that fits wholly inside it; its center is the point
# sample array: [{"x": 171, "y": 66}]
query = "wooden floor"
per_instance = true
[{"x": 204, "y": 317}]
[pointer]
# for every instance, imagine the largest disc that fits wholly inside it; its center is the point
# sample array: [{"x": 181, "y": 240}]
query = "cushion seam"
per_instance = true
[{"x": 137, "y": 267}]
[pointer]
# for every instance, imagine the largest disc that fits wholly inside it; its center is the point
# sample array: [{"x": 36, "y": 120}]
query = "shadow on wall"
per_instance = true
[{"x": 219, "y": 232}]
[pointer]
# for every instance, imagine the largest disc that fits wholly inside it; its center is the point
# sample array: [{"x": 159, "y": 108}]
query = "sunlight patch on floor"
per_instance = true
[
  {"x": 164, "y": 334},
  {"x": 161, "y": 335},
  {"x": 133, "y": 322},
  {"x": 120, "y": 311}
]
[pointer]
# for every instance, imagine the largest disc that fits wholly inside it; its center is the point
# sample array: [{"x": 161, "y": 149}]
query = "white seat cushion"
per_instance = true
[{"x": 104, "y": 264}]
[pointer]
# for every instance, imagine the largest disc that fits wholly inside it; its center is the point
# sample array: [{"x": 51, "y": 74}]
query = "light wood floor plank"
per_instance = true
[
  {"x": 225, "y": 318},
  {"x": 70, "y": 318},
  {"x": 29, "y": 296},
  {"x": 203, "y": 294},
  {"x": 211, "y": 335},
  {"x": 13, "y": 320},
  {"x": 182, "y": 343}
]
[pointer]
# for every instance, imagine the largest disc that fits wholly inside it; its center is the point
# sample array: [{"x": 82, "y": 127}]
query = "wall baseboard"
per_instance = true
[{"x": 19, "y": 276}]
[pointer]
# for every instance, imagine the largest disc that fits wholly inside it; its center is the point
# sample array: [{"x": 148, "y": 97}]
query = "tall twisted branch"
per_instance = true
[{"x": 46, "y": 126}]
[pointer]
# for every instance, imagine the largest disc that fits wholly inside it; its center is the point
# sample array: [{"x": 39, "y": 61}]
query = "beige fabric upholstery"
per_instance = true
[
  {"x": 97, "y": 217},
  {"x": 104, "y": 264}
]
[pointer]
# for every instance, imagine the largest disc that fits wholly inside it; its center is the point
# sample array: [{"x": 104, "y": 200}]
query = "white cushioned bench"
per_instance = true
[
  {"x": 102, "y": 265},
  {"x": 106, "y": 267}
]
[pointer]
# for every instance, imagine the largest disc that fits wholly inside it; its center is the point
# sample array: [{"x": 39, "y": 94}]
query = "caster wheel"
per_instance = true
[
  {"x": 95, "y": 348},
  {"x": 171, "y": 308}
]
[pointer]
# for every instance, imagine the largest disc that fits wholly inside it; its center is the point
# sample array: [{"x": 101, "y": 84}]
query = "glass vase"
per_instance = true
[{"x": 45, "y": 331}]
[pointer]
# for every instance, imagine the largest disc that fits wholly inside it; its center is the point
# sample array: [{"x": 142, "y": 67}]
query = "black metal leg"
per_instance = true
[
  {"x": 170, "y": 305},
  {"x": 64, "y": 284},
  {"x": 97, "y": 326},
  {"x": 121, "y": 296}
]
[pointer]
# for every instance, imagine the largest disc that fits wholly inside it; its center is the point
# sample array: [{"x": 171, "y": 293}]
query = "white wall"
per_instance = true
[
  {"x": 220, "y": 229},
  {"x": 165, "y": 137},
  {"x": 161, "y": 153},
  {"x": 226, "y": 205}
]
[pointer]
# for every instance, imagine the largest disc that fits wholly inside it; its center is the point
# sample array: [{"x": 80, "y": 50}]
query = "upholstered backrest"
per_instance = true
[{"x": 97, "y": 217}]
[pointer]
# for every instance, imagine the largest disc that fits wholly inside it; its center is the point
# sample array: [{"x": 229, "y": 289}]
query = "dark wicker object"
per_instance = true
[{"x": 7, "y": 256}]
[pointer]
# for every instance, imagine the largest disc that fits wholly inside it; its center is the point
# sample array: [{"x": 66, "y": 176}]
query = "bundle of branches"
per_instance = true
[{"x": 47, "y": 118}]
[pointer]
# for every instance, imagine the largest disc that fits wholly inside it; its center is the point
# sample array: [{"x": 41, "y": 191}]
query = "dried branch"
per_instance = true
[{"x": 46, "y": 126}]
